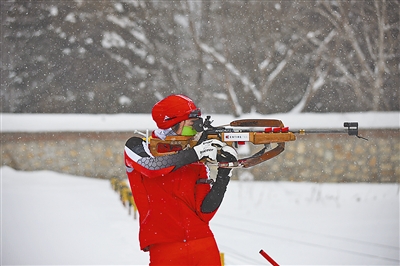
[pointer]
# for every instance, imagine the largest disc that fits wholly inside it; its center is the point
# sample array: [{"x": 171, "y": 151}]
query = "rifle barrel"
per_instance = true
[
  {"x": 320, "y": 131},
  {"x": 351, "y": 128}
]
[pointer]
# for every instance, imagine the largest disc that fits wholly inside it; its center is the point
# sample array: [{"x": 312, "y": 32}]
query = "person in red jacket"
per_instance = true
[{"x": 174, "y": 194}]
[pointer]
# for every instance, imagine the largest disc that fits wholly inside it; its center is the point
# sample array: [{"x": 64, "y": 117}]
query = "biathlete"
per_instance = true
[{"x": 174, "y": 194}]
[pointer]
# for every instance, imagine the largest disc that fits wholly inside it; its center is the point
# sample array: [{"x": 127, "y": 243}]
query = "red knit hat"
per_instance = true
[{"x": 174, "y": 109}]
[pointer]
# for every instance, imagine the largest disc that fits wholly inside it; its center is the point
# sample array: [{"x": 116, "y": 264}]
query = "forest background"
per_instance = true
[{"x": 231, "y": 57}]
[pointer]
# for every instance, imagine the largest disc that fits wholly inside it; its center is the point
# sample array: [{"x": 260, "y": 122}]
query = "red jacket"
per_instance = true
[{"x": 168, "y": 201}]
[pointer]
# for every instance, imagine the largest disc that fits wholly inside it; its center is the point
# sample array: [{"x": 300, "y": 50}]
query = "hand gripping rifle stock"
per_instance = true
[{"x": 257, "y": 131}]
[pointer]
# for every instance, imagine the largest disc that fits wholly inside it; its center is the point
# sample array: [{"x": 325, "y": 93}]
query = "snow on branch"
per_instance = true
[{"x": 232, "y": 69}]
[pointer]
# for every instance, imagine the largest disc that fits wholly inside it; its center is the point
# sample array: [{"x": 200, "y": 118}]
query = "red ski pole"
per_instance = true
[{"x": 268, "y": 258}]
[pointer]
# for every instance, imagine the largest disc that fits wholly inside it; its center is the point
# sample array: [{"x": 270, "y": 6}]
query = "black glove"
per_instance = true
[
  {"x": 214, "y": 198},
  {"x": 227, "y": 154}
]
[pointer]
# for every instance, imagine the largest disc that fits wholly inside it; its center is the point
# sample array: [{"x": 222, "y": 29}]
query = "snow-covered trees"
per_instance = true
[
  {"x": 357, "y": 54},
  {"x": 229, "y": 56}
]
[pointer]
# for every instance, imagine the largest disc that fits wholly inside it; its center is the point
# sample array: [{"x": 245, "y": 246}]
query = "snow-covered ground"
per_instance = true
[
  {"x": 52, "y": 219},
  {"x": 56, "y": 219}
]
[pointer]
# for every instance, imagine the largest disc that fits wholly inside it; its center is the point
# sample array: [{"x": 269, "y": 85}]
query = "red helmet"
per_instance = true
[{"x": 174, "y": 109}]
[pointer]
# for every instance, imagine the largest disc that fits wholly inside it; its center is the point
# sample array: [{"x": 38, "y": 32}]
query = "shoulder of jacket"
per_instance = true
[{"x": 133, "y": 142}]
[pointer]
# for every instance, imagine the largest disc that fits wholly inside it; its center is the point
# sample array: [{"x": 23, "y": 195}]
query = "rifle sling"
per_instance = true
[{"x": 254, "y": 160}]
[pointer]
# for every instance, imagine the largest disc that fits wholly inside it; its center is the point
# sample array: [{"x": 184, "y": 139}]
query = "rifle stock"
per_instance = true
[{"x": 172, "y": 144}]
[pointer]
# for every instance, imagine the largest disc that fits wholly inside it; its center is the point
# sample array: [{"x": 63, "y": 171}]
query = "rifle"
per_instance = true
[{"x": 257, "y": 131}]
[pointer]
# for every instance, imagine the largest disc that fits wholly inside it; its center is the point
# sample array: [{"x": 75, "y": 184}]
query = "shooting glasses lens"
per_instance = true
[{"x": 195, "y": 113}]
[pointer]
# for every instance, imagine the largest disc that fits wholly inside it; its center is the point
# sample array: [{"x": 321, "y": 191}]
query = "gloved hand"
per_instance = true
[
  {"x": 214, "y": 198},
  {"x": 227, "y": 154},
  {"x": 208, "y": 149}
]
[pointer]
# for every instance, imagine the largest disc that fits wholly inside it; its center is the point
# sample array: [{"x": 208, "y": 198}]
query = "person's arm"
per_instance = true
[
  {"x": 214, "y": 198},
  {"x": 138, "y": 156}
]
